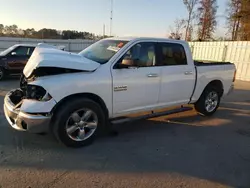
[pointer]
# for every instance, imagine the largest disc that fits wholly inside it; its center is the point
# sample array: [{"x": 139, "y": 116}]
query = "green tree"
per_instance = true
[
  {"x": 45, "y": 33},
  {"x": 11, "y": 30},
  {"x": 29, "y": 33},
  {"x": 48, "y": 34}
]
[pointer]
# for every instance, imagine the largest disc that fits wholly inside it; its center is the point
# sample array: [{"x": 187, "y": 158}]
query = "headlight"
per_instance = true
[{"x": 37, "y": 93}]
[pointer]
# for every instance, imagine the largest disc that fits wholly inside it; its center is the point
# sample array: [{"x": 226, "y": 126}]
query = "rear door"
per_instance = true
[
  {"x": 177, "y": 75},
  {"x": 136, "y": 88}
]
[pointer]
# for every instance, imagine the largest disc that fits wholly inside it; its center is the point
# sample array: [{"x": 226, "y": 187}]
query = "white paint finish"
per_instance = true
[
  {"x": 98, "y": 83},
  {"x": 206, "y": 74},
  {"x": 176, "y": 86},
  {"x": 34, "y": 106},
  {"x": 177, "y": 82},
  {"x": 172, "y": 87},
  {"x": 142, "y": 91},
  {"x": 52, "y": 57}
]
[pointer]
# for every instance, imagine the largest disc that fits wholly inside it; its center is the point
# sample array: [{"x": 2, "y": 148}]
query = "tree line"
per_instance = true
[
  {"x": 202, "y": 15},
  {"x": 45, "y": 33}
]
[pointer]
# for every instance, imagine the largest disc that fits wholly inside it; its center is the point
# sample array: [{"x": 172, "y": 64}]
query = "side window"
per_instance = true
[
  {"x": 172, "y": 54},
  {"x": 21, "y": 51},
  {"x": 140, "y": 55}
]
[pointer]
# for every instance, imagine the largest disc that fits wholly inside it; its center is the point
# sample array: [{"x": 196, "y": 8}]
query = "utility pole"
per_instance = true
[
  {"x": 111, "y": 17},
  {"x": 103, "y": 30}
]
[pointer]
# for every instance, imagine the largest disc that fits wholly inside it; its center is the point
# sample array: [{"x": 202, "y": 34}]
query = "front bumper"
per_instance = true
[{"x": 22, "y": 121}]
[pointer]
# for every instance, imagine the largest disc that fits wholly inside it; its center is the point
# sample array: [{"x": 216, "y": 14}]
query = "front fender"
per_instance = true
[{"x": 64, "y": 85}]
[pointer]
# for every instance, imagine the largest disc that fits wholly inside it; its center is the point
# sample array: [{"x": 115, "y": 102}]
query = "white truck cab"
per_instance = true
[{"x": 77, "y": 95}]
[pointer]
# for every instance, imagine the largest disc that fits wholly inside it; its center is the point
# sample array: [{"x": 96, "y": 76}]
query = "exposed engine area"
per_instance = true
[{"x": 28, "y": 91}]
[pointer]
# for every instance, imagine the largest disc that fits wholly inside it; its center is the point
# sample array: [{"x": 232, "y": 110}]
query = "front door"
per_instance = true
[{"x": 136, "y": 88}]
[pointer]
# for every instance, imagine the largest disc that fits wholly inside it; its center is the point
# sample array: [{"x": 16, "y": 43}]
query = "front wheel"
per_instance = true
[
  {"x": 78, "y": 122},
  {"x": 208, "y": 102}
]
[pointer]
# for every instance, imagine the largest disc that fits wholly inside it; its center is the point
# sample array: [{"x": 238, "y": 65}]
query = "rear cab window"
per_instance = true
[{"x": 171, "y": 54}]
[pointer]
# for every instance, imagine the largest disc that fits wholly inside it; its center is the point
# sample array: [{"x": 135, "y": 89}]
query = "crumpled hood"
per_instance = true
[{"x": 49, "y": 56}]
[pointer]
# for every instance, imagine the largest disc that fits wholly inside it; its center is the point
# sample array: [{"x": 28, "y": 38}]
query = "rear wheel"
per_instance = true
[
  {"x": 208, "y": 102},
  {"x": 78, "y": 122}
]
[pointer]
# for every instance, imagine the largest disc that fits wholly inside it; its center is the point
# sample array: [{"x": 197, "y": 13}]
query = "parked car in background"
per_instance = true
[
  {"x": 77, "y": 95},
  {"x": 14, "y": 59}
]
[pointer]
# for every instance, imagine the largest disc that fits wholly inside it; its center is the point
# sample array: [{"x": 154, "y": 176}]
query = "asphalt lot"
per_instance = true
[{"x": 185, "y": 150}]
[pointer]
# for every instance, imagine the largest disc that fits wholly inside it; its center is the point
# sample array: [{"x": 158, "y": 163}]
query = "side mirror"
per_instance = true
[
  {"x": 13, "y": 53},
  {"x": 126, "y": 63}
]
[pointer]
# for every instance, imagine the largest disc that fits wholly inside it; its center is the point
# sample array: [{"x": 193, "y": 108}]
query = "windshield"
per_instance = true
[
  {"x": 103, "y": 50},
  {"x": 8, "y": 50}
]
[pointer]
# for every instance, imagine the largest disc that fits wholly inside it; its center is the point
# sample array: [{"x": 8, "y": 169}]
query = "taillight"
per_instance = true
[{"x": 234, "y": 76}]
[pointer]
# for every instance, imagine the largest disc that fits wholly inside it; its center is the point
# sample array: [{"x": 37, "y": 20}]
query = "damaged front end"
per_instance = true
[
  {"x": 36, "y": 92},
  {"x": 26, "y": 115},
  {"x": 28, "y": 108}
]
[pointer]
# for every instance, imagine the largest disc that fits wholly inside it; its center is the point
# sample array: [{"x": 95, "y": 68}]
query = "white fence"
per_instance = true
[{"x": 235, "y": 52}]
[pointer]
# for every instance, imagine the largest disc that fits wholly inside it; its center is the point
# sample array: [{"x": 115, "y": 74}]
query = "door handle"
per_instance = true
[
  {"x": 188, "y": 72},
  {"x": 151, "y": 75}
]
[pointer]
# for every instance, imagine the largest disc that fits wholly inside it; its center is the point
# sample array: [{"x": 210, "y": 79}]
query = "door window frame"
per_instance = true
[
  {"x": 160, "y": 54},
  {"x": 156, "y": 47}
]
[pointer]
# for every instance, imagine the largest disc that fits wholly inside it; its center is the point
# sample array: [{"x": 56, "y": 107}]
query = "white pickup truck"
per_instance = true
[{"x": 76, "y": 95}]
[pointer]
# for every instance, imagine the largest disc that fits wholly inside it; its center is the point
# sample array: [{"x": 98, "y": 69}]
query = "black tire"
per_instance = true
[
  {"x": 200, "y": 105},
  {"x": 62, "y": 115},
  {"x": 2, "y": 74}
]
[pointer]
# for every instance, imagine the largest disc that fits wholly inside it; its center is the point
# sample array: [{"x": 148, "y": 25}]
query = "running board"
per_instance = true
[{"x": 153, "y": 115}]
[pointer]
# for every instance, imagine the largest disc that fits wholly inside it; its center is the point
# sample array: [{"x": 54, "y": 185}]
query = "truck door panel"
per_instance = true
[
  {"x": 178, "y": 77},
  {"x": 137, "y": 87}
]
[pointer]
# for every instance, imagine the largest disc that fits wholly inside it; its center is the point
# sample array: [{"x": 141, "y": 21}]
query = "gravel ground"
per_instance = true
[{"x": 184, "y": 150}]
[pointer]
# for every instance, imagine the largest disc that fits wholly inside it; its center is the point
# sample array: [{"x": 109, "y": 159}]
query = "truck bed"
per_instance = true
[{"x": 210, "y": 71}]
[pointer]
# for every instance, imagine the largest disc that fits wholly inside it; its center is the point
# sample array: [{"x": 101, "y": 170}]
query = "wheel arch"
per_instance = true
[
  {"x": 90, "y": 96},
  {"x": 216, "y": 84},
  {"x": 200, "y": 104}
]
